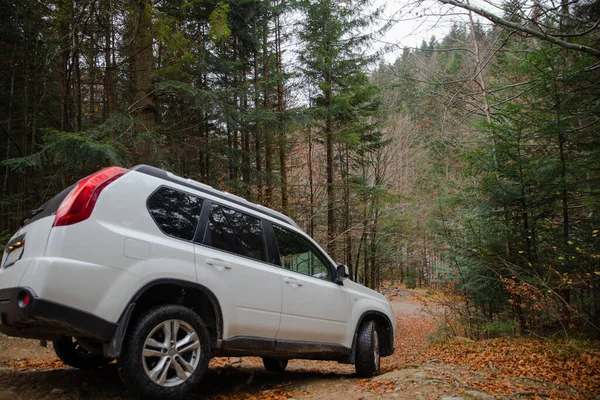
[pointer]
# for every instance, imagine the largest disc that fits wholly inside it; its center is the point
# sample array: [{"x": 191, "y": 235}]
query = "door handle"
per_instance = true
[
  {"x": 292, "y": 281},
  {"x": 219, "y": 264}
]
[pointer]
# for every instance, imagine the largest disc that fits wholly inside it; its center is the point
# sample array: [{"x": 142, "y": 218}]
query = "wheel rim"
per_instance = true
[
  {"x": 376, "y": 357},
  {"x": 171, "y": 353}
]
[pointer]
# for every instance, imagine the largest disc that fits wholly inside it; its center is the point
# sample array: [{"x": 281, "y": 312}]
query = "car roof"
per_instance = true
[{"x": 201, "y": 187}]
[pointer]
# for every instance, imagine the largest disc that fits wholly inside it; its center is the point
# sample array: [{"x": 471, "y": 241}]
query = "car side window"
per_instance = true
[
  {"x": 233, "y": 231},
  {"x": 296, "y": 254},
  {"x": 175, "y": 212}
]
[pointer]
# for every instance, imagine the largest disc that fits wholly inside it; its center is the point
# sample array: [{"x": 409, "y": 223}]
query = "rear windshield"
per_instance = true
[{"x": 48, "y": 208}]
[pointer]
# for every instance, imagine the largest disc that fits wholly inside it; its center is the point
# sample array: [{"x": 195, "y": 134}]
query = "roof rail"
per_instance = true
[{"x": 168, "y": 176}]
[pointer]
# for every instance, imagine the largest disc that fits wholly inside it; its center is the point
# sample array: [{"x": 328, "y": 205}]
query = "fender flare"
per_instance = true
[
  {"x": 352, "y": 357},
  {"x": 113, "y": 348}
]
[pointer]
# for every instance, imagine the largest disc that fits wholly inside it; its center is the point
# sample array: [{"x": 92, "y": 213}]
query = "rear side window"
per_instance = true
[
  {"x": 296, "y": 254},
  {"x": 235, "y": 232},
  {"x": 175, "y": 212}
]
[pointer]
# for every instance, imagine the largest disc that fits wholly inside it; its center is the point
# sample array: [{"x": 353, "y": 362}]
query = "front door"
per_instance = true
[{"x": 315, "y": 309}]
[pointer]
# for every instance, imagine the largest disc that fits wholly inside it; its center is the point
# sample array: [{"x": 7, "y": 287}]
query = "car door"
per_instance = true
[
  {"x": 314, "y": 309},
  {"x": 231, "y": 261}
]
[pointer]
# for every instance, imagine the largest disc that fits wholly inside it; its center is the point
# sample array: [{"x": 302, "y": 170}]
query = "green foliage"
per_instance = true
[
  {"x": 219, "y": 28},
  {"x": 77, "y": 154},
  {"x": 528, "y": 188}
]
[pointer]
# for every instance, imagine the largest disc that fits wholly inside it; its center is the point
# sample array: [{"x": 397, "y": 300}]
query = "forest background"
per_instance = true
[{"x": 469, "y": 164}]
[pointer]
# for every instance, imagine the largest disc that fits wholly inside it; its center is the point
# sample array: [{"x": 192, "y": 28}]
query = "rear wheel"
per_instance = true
[
  {"x": 367, "y": 351},
  {"x": 72, "y": 353},
  {"x": 274, "y": 365},
  {"x": 166, "y": 354}
]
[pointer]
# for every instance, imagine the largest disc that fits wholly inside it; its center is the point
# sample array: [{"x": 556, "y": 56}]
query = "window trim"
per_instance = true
[
  {"x": 181, "y": 191},
  {"x": 202, "y": 233},
  {"x": 320, "y": 255}
]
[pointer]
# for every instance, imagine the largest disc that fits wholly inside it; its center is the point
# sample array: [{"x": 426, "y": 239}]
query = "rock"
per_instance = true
[
  {"x": 57, "y": 391},
  {"x": 434, "y": 362},
  {"x": 451, "y": 398},
  {"x": 477, "y": 395},
  {"x": 398, "y": 374},
  {"x": 420, "y": 397},
  {"x": 420, "y": 375}
]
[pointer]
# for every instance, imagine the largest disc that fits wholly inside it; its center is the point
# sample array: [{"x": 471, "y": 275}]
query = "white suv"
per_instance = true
[{"x": 163, "y": 273}]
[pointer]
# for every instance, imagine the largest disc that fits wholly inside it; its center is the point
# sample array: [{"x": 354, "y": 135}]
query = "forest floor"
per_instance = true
[{"x": 419, "y": 369}]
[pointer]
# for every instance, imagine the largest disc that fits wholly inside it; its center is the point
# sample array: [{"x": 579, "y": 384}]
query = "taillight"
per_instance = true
[{"x": 79, "y": 204}]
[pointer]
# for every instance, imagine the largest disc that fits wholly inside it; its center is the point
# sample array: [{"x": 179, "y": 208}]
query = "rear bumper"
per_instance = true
[{"x": 44, "y": 319}]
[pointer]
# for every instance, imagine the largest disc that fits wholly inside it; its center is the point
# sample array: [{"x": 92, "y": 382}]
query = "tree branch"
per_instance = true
[{"x": 512, "y": 25}]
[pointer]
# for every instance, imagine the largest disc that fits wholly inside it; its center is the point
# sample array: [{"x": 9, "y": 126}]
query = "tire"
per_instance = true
[
  {"x": 274, "y": 365},
  {"x": 70, "y": 351},
  {"x": 152, "y": 366},
  {"x": 368, "y": 358}
]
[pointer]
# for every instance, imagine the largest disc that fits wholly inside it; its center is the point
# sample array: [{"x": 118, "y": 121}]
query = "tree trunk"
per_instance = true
[
  {"x": 109, "y": 89},
  {"x": 373, "y": 251},
  {"x": 4, "y": 226},
  {"x": 311, "y": 222},
  {"x": 347, "y": 215},
  {"x": 144, "y": 109},
  {"x": 282, "y": 128},
  {"x": 246, "y": 168},
  {"x": 78, "y": 97},
  {"x": 64, "y": 33},
  {"x": 331, "y": 223},
  {"x": 257, "y": 136},
  {"x": 564, "y": 193},
  {"x": 266, "y": 94}
]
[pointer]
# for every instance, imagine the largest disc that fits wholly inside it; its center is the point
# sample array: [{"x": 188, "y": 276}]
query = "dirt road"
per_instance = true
[{"x": 28, "y": 371}]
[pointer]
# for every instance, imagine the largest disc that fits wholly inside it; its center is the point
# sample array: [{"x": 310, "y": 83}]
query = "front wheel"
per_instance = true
[
  {"x": 274, "y": 365},
  {"x": 72, "y": 353},
  {"x": 167, "y": 353},
  {"x": 367, "y": 351}
]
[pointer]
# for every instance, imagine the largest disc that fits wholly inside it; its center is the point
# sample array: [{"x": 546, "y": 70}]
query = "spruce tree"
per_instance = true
[{"x": 334, "y": 59}]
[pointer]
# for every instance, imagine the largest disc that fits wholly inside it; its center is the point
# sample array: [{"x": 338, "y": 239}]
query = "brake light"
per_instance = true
[{"x": 79, "y": 204}]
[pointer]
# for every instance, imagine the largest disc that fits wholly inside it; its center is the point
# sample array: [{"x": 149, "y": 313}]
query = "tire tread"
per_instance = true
[{"x": 365, "y": 360}]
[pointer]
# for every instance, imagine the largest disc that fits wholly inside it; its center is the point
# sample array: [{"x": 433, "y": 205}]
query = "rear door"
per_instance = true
[
  {"x": 29, "y": 241},
  {"x": 315, "y": 309},
  {"x": 231, "y": 259}
]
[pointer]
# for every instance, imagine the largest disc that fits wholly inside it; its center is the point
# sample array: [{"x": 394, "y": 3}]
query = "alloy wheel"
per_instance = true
[
  {"x": 376, "y": 356},
  {"x": 171, "y": 353}
]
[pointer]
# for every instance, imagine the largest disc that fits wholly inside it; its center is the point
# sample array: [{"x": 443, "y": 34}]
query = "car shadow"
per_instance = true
[{"x": 104, "y": 383}]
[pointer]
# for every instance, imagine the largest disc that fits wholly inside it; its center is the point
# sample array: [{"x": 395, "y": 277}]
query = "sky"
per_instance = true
[{"x": 413, "y": 21}]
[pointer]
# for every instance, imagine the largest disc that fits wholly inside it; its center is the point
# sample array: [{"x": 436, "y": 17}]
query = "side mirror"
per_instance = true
[{"x": 342, "y": 273}]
